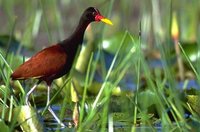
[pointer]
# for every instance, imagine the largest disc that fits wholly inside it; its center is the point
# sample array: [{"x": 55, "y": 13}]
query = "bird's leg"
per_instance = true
[
  {"x": 49, "y": 108},
  {"x": 30, "y": 91}
]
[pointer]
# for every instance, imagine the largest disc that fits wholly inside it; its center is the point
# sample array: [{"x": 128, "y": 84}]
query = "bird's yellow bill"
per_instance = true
[{"x": 107, "y": 21}]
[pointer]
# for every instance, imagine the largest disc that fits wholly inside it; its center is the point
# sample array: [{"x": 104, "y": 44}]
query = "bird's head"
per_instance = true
[{"x": 92, "y": 14}]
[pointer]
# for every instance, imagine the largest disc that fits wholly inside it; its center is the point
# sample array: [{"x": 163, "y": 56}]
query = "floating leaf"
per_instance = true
[
  {"x": 112, "y": 44},
  {"x": 9, "y": 43},
  {"x": 4, "y": 127},
  {"x": 194, "y": 101},
  {"x": 119, "y": 116},
  {"x": 146, "y": 99},
  {"x": 28, "y": 120},
  {"x": 191, "y": 49}
]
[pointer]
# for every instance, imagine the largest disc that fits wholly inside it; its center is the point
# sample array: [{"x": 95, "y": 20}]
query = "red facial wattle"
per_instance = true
[{"x": 99, "y": 17}]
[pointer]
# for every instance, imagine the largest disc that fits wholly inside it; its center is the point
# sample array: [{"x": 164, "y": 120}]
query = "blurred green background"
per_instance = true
[
  {"x": 153, "y": 69},
  {"x": 36, "y": 22}
]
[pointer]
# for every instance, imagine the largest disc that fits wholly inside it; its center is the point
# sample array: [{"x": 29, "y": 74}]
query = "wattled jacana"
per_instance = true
[{"x": 55, "y": 61}]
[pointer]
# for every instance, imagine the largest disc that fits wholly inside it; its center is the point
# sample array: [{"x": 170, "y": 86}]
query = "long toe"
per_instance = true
[
  {"x": 57, "y": 119},
  {"x": 62, "y": 125}
]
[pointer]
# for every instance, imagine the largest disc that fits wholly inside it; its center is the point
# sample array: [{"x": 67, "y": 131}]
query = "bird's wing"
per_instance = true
[{"x": 47, "y": 62}]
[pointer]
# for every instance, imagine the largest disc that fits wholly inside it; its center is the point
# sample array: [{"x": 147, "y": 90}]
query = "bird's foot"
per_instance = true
[
  {"x": 62, "y": 125},
  {"x": 57, "y": 119}
]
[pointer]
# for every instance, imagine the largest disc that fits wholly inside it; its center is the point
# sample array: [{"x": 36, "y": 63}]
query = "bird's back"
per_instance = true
[{"x": 48, "y": 63}]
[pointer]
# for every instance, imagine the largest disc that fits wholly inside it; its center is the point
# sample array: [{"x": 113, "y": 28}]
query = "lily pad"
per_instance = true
[
  {"x": 4, "y": 127},
  {"x": 192, "y": 51},
  {"x": 146, "y": 99},
  {"x": 9, "y": 43},
  {"x": 28, "y": 120},
  {"x": 112, "y": 44},
  {"x": 194, "y": 101}
]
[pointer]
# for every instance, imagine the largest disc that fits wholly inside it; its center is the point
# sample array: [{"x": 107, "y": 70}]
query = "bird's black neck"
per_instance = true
[
  {"x": 78, "y": 34},
  {"x": 72, "y": 43},
  {"x": 76, "y": 38}
]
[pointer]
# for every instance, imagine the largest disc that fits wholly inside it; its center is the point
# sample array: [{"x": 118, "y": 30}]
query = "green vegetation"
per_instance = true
[{"x": 142, "y": 74}]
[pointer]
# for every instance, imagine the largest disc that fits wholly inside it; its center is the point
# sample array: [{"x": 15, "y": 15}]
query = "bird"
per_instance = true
[{"x": 55, "y": 61}]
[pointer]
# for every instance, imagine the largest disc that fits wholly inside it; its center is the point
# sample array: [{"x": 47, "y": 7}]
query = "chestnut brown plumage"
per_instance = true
[{"x": 55, "y": 61}]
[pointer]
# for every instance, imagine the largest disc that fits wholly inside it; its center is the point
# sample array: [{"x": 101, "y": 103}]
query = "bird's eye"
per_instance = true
[{"x": 94, "y": 13}]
